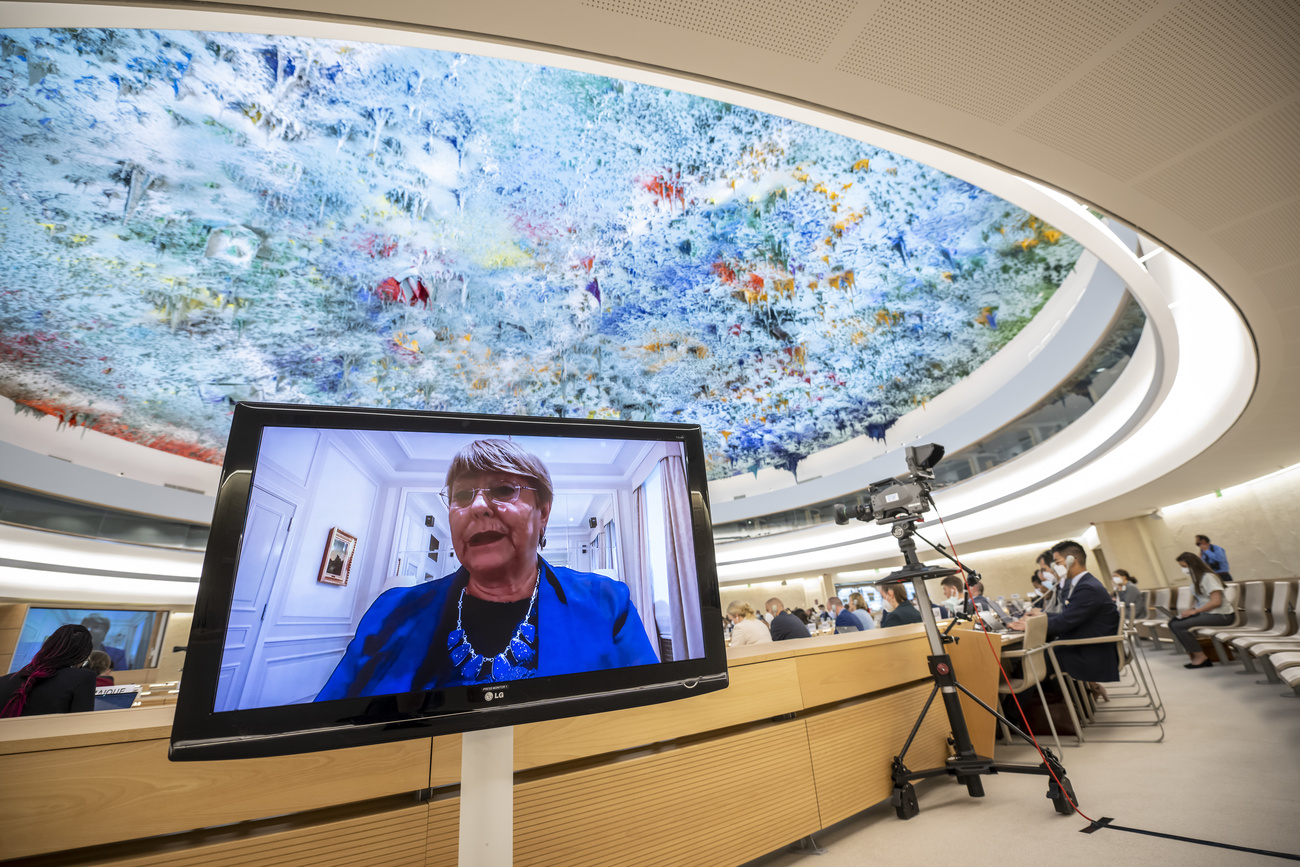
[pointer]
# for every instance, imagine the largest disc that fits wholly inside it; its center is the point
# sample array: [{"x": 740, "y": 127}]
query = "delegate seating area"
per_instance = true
[{"x": 1264, "y": 638}]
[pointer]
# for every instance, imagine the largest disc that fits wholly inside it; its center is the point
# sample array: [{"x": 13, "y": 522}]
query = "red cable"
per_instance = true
[{"x": 997, "y": 657}]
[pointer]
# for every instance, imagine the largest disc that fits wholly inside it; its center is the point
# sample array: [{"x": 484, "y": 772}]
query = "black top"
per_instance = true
[
  {"x": 786, "y": 625},
  {"x": 68, "y": 690},
  {"x": 491, "y": 625},
  {"x": 900, "y": 615}
]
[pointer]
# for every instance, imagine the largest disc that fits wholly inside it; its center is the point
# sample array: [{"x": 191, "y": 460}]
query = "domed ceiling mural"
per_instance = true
[{"x": 191, "y": 219}]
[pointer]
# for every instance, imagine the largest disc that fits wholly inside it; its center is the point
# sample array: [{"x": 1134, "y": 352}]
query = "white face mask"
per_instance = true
[
  {"x": 1187, "y": 571},
  {"x": 1061, "y": 569},
  {"x": 1116, "y": 580},
  {"x": 951, "y": 603},
  {"x": 889, "y": 606}
]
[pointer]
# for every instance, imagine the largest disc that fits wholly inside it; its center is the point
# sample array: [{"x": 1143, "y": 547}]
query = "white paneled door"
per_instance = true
[{"x": 265, "y": 532}]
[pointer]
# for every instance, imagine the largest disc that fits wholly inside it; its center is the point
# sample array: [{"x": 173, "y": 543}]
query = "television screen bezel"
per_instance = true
[{"x": 200, "y": 733}]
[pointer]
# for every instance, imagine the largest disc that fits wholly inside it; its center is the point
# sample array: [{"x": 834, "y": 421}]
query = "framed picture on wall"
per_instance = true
[{"x": 336, "y": 564}]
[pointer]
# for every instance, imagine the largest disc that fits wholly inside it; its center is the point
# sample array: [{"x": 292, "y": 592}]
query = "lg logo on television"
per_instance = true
[{"x": 489, "y": 695}]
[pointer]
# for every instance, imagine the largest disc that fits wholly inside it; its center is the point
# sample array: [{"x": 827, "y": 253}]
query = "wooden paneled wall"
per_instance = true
[{"x": 675, "y": 777}]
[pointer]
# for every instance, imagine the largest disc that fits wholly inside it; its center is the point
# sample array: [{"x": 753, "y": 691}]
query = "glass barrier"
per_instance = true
[
  {"x": 1067, "y": 403},
  {"x": 40, "y": 511}
]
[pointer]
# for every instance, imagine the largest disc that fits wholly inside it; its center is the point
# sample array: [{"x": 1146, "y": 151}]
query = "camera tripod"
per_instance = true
[{"x": 967, "y": 766}]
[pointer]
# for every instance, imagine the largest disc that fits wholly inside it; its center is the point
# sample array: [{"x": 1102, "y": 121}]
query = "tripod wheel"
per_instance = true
[
  {"x": 1059, "y": 798},
  {"x": 904, "y": 801}
]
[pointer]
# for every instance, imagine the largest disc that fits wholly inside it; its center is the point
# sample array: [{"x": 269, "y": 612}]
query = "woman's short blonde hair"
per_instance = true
[
  {"x": 859, "y": 602},
  {"x": 740, "y": 609}
]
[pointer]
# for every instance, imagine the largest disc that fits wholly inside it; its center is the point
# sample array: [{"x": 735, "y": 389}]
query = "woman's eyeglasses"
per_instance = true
[{"x": 499, "y": 495}]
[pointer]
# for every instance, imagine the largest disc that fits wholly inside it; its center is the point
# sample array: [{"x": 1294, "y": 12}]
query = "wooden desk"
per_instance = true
[{"x": 663, "y": 778}]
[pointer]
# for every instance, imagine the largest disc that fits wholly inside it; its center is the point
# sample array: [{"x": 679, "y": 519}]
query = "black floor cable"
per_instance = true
[{"x": 1106, "y": 822}]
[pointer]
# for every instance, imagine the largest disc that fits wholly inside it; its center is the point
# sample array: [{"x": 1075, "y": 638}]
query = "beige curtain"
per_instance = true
[
  {"x": 636, "y": 568},
  {"x": 683, "y": 582}
]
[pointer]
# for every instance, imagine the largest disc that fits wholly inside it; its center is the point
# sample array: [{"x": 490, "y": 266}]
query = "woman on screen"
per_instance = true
[
  {"x": 53, "y": 682},
  {"x": 506, "y": 614}
]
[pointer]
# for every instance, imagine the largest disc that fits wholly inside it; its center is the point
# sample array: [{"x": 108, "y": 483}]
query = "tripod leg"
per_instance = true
[
  {"x": 1006, "y": 723},
  {"x": 917, "y": 727}
]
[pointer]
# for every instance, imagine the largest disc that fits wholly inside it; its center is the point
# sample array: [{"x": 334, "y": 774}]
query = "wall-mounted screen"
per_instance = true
[
  {"x": 132, "y": 639},
  {"x": 378, "y": 574}
]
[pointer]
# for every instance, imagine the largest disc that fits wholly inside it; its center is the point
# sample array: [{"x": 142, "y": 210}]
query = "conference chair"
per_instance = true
[
  {"x": 1289, "y": 673},
  {"x": 1284, "y": 624},
  {"x": 1261, "y": 648},
  {"x": 1147, "y": 628},
  {"x": 1265, "y": 653},
  {"x": 1034, "y": 671},
  {"x": 1247, "y": 643},
  {"x": 1137, "y": 681},
  {"x": 1084, "y": 711},
  {"x": 1182, "y": 601}
]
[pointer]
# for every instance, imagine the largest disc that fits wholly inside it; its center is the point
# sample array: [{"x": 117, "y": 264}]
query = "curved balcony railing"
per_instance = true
[{"x": 37, "y": 511}]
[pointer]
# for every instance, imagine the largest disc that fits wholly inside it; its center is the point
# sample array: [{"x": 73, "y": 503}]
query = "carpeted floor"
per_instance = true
[{"x": 1227, "y": 771}]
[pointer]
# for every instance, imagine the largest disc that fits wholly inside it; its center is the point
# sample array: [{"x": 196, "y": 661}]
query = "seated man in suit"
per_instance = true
[
  {"x": 784, "y": 624},
  {"x": 844, "y": 619},
  {"x": 1086, "y": 611}
]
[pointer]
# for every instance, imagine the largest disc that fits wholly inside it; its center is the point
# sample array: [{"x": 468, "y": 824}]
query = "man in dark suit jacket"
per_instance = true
[
  {"x": 844, "y": 619},
  {"x": 784, "y": 624},
  {"x": 1087, "y": 611}
]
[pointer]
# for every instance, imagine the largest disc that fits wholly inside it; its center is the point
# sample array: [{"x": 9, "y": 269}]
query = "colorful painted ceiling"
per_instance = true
[{"x": 191, "y": 219}]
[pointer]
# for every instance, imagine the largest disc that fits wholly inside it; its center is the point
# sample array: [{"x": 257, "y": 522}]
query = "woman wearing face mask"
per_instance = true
[
  {"x": 1209, "y": 608},
  {"x": 898, "y": 608},
  {"x": 1127, "y": 592},
  {"x": 747, "y": 628}
]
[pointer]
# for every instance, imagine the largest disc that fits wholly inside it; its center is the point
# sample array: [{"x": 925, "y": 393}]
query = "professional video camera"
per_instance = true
[
  {"x": 902, "y": 497},
  {"x": 900, "y": 502}
]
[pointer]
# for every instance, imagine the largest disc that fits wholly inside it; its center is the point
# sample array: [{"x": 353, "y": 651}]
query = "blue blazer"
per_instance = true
[
  {"x": 846, "y": 618},
  {"x": 584, "y": 622},
  {"x": 1088, "y": 612}
]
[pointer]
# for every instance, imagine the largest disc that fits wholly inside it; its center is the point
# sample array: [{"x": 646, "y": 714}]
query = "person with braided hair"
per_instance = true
[{"x": 54, "y": 681}]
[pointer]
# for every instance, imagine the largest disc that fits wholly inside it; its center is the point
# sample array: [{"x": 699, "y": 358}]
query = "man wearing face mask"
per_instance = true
[
  {"x": 954, "y": 596},
  {"x": 1051, "y": 602},
  {"x": 1086, "y": 611}
]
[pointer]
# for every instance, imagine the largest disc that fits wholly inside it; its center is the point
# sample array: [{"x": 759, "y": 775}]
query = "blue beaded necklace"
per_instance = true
[{"x": 509, "y": 664}]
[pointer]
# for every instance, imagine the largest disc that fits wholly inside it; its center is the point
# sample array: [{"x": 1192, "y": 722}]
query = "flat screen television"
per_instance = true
[
  {"x": 132, "y": 639},
  {"x": 353, "y": 593}
]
